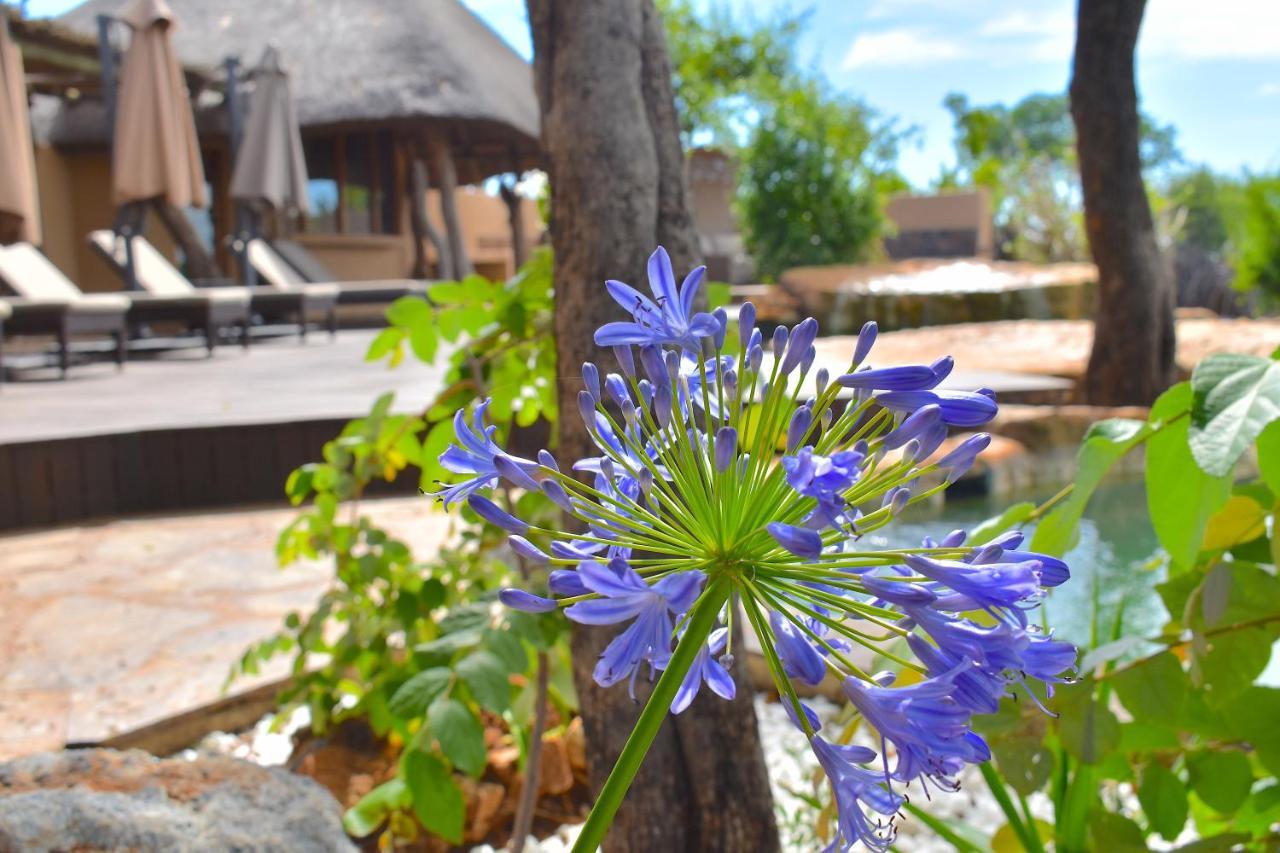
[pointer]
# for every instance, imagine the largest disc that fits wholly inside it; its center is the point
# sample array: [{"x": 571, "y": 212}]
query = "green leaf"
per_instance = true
[
  {"x": 409, "y": 311},
  {"x": 1253, "y": 717},
  {"x": 1115, "y": 833},
  {"x": 507, "y": 647},
  {"x": 424, "y": 342},
  {"x": 451, "y": 292},
  {"x": 459, "y": 733},
  {"x": 1269, "y": 456},
  {"x": 487, "y": 677},
  {"x": 1089, "y": 731},
  {"x": 436, "y": 799},
  {"x": 1260, "y": 811},
  {"x": 1220, "y": 779},
  {"x": 1236, "y": 396},
  {"x": 383, "y": 343},
  {"x": 416, "y": 695},
  {"x": 375, "y": 807},
  {"x": 1180, "y": 496},
  {"x": 439, "y": 651},
  {"x": 993, "y": 527},
  {"x": 1240, "y": 520},
  {"x": 1164, "y": 801},
  {"x": 1024, "y": 764},
  {"x": 1153, "y": 689},
  {"x": 1103, "y": 445},
  {"x": 1144, "y": 737}
]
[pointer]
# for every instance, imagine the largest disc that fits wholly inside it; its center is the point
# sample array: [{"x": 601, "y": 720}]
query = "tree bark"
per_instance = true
[
  {"x": 616, "y": 172},
  {"x": 1133, "y": 344},
  {"x": 420, "y": 223},
  {"x": 515, "y": 221},
  {"x": 447, "y": 180}
]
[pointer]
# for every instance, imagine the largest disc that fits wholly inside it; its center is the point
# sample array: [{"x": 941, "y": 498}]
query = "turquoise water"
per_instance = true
[{"x": 1112, "y": 560}]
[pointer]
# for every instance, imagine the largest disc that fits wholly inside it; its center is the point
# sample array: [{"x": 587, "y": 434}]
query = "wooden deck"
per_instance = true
[{"x": 183, "y": 431}]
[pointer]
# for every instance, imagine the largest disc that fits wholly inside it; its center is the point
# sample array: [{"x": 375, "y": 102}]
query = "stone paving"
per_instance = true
[
  {"x": 1052, "y": 347},
  {"x": 107, "y": 627}
]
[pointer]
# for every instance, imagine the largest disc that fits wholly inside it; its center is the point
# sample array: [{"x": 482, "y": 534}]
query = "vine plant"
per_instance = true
[{"x": 414, "y": 644}]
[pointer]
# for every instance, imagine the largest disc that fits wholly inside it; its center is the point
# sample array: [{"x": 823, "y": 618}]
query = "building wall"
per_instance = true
[
  {"x": 75, "y": 198},
  {"x": 946, "y": 225}
]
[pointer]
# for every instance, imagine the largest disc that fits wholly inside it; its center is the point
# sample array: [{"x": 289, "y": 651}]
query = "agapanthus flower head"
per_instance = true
[
  {"x": 731, "y": 487},
  {"x": 667, "y": 319}
]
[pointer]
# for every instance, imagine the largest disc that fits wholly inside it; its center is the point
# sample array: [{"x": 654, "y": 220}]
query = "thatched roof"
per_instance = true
[
  {"x": 59, "y": 59},
  {"x": 415, "y": 64}
]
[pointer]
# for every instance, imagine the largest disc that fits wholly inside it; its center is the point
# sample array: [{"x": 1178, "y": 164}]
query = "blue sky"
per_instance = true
[{"x": 1210, "y": 68}]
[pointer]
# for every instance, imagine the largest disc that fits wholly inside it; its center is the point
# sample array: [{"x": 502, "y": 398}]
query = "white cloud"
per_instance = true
[
  {"x": 1269, "y": 90},
  {"x": 1223, "y": 29},
  {"x": 1012, "y": 31},
  {"x": 1021, "y": 23},
  {"x": 900, "y": 47}
]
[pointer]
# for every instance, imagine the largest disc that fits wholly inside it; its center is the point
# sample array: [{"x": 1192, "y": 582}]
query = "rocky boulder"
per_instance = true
[{"x": 101, "y": 799}]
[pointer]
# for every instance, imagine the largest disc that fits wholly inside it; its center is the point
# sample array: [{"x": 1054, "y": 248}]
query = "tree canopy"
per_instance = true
[
  {"x": 1025, "y": 155},
  {"x": 814, "y": 164}
]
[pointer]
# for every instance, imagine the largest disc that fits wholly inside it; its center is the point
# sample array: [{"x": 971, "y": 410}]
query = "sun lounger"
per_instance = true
[
  {"x": 47, "y": 303},
  {"x": 155, "y": 274},
  {"x": 288, "y": 263},
  {"x": 206, "y": 310}
]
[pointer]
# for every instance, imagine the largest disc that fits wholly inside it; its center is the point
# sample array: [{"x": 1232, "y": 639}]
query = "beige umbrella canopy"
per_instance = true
[
  {"x": 17, "y": 159},
  {"x": 155, "y": 152},
  {"x": 270, "y": 167}
]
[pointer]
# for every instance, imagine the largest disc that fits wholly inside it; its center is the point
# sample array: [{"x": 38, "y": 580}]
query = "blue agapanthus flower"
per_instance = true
[
  {"x": 740, "y": 487},
  {"x": 625, "y": 596},
  {"x": 667, "y": 319}
]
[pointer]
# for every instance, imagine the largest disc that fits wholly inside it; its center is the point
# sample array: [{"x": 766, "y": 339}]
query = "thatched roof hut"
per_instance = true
[{"x": 424, "y": 66}]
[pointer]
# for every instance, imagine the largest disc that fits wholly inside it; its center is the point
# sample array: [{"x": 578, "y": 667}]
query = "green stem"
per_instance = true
[
  {"x": 702, "y": 619},
  {"x": 941, "y": 829},
  {"x": 996, "y": 784}
]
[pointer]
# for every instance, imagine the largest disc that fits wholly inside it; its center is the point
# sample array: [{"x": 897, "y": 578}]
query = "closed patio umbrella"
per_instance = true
[
  {"x": 155, "y": 152},
  {"x": 270, "y": 167},
  {"x": 17, "y": 159}
]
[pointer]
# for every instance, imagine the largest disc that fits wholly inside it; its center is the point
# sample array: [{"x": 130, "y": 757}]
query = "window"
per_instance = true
[
  {"x": 352, "y": 186},
  {"x": 322, "y": 184}
]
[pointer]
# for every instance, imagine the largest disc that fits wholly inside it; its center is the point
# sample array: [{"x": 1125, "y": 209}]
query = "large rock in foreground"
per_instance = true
[{"x": 100, "y": 799}]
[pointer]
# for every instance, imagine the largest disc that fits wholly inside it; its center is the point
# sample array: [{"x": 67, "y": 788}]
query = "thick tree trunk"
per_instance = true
[
  {"x": 447, "y": 179},
  {"x": 420, "y": 223},
  {"x": 616, "y": 173},
  {"x": 1133, "y": 345}
]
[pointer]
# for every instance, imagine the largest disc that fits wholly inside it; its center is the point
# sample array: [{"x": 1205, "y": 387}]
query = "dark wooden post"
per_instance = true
[
  {"x": 612, "y": 149},
  {"x": 420, "y": 223},
  {"x": 199, "y": 262},
  {"x": 1133, "y": 342},
  {"x": 447, "y": 180},
  {"x": 515, "y": 220}
]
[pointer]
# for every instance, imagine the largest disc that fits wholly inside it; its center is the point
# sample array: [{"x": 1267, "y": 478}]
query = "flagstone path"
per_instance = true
[{"x": 108, "y": 627}]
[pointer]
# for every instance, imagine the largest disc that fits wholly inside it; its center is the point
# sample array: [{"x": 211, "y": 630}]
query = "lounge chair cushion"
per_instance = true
[
  {"x": 308, "y": 265},
  {"x": 157, "y": 276},
  {"x": 33, "y": 276},
  {"x": 275, "y": 271}
]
